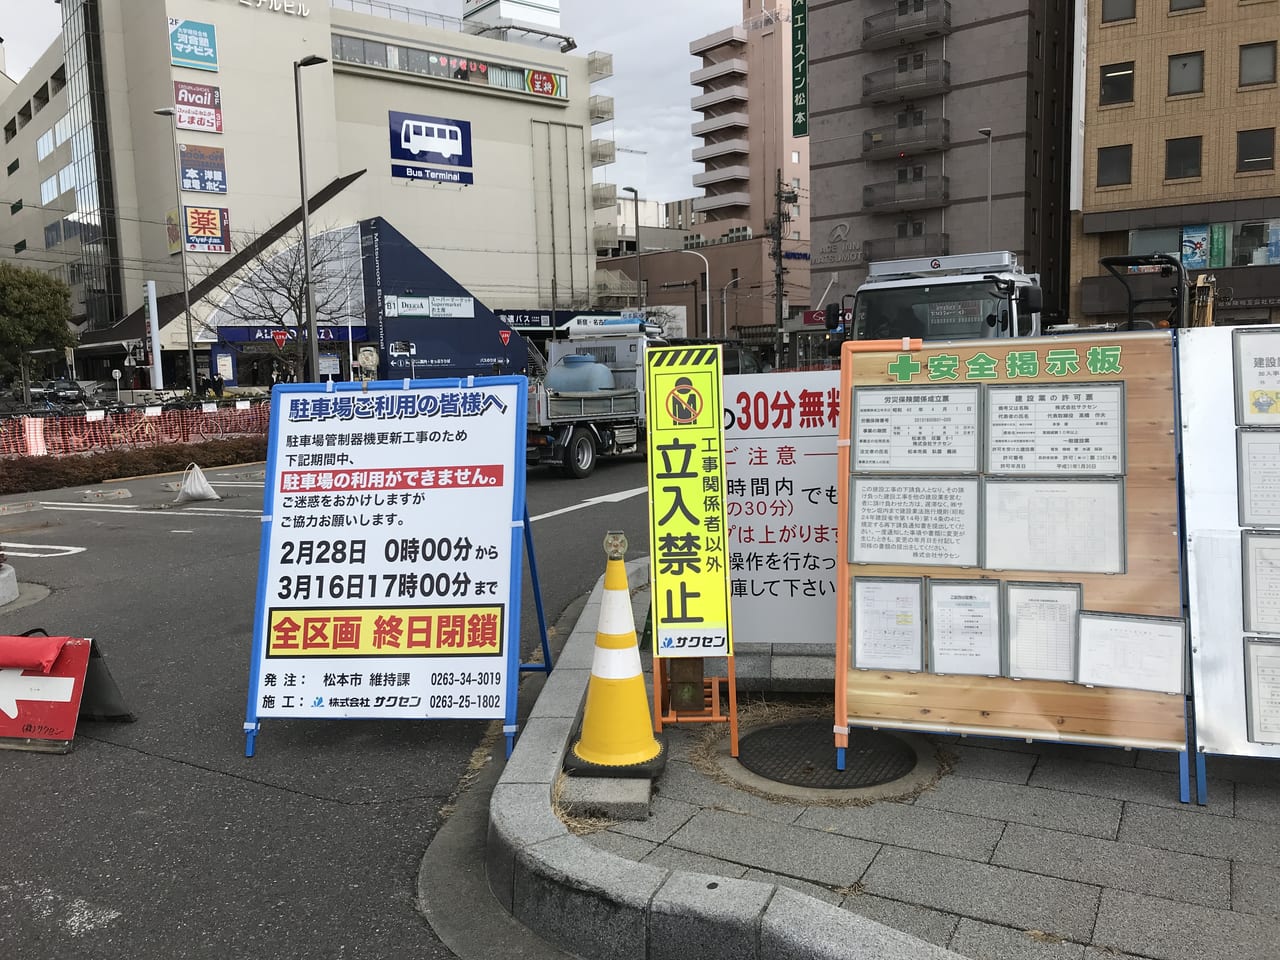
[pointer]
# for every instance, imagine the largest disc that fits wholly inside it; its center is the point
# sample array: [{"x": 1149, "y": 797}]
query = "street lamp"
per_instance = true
[
  {"x": 986, "y": 132},
  {"x": 635, "y": 197},
  {"x": 308, "y": 297},
  {"x": 724, "y": 306},
  {"x": 707, "y": 267},
  {"x": 182, "y": 248}
]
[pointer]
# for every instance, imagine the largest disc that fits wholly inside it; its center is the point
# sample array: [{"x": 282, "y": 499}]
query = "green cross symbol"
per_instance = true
[{"x": 904, "y": 368}]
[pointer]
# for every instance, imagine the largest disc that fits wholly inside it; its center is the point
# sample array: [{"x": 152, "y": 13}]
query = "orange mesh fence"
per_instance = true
[{"x": 127, "y": 428}]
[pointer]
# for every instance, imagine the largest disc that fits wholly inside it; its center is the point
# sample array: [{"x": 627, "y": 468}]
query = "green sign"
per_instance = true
[
  {"x": 1056, "y": 362},
  {"x": 799, "y": 68}
]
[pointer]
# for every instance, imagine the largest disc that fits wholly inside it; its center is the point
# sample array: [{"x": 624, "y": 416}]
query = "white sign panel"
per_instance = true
[
  {"x": 462, "y": 307},
  {"x": 1139, "y": 653},
  {"x": 888, "y": 624},
  {"x": 1046, "y": 429},
  {"x": 964, "y": 627},
  {"x": 1043, "y": 620},
  {"x": 387, "y": 578},
  {"x": 780, "y": 474},
  {"x": 915, "y": 429},
  {"x": 1055, "y": 526},
  {"x": 1257, "y": 373},
  {"x": 925, "y": 521}
]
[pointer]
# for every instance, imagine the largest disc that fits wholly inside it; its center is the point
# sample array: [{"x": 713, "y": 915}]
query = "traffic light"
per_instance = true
[{"x": 832, "y": 315}]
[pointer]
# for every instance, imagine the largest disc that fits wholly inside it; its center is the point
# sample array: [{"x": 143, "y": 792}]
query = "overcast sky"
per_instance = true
[{"x": 650, "y": 82}]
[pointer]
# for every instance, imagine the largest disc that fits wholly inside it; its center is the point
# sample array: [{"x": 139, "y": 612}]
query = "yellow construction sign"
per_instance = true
[{"x": 688, "y": 542}]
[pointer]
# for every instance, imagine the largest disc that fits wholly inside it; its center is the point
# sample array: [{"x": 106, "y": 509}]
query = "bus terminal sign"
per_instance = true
[
  {"x": 436, "y": 149},
  {"x": 389, "y": 574}
]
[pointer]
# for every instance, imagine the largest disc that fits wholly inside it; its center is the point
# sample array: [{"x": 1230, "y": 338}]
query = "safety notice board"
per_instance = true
[{"x": 1009, "y": 559}]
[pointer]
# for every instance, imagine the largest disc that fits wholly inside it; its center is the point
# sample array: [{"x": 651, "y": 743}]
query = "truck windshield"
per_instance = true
[{"x": 942, "y": 311}]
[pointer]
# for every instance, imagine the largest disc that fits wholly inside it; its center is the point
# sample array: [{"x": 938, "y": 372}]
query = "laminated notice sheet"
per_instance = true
[
  {"x": 1069, "y": 526},
  {"x": 1043, "y": 619},
  {"x": 888, "y": 626},
  {"x": 1262, "y": 689},
  {"x": 964, "y": 627},
  {"x": 1140, "y": 653},
  {"x": 1261, "y": 571},
  {"x": 1259, "y": 464}
]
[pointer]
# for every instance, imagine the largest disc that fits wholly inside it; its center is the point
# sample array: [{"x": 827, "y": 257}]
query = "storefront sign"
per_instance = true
[
  {"x": 543, "y": 82},
  {"x": 430, "y": 148},
  {"x": 173, "y": 230},
  {"x": 446, "y": 307},
  {"x": 193, "y": 44},
  {"x": 799, "y": 68},
  {"x": 197, "y": 106},
  {"x": 838, "y": 248},
  {"x": 204, "y": 169},
  {"x": 689, "y": 562},
  {"x": 390, "y": 577},
  {"x": 208, "y": 229},
  {"x": 291, "y": 7}
]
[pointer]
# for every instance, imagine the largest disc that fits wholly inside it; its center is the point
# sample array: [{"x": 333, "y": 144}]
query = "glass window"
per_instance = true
[
  {"x": 1117, "y": 83},
  {"x": 66, "y": 179},
  {"x": 1114, "y": 165},
  {"x": 795, "y": 156},
  {"x": 13, "y": 167},
  {"x": 1185, "y": 4},
  {"x": 44, "y": 146},
  {"x": 1186, "y": 73},
  {"x": 1113, "y": 10},
  {"x": 375, "y": 54},
  {"x": 1258, "y": 63},
  {"x": 20, "y": 246},
  {"x": 1256, "y": 150},
  {"x": 49, "y": 190},
  {"x": 15, "y": 207},
  {"x": 53, "y": 234},
  {"x": 62, "y": 130},
  {"x": 1181, "y": 158},
  {"x": 1143, "y": 243}
]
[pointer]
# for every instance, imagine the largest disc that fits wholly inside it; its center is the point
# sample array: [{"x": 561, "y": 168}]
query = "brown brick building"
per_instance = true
[{"x": 1180, "y": 112}]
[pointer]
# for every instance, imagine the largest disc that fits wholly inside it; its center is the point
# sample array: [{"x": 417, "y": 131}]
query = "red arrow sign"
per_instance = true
[
  {"x": 280, "y": 337},
  {"x": 44, "y": 706}
]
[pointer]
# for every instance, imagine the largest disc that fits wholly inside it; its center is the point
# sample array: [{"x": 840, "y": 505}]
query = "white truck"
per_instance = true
[
  {"x": 962, "y": 297},
  {"x": 588, "y": 400}
]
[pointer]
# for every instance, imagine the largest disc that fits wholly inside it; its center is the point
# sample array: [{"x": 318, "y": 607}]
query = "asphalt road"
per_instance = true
[{"x": 159, "y": 839}]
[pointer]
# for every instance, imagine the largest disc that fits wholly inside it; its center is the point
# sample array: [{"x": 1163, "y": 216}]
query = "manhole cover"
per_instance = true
[{"x": 802, "y": 753}]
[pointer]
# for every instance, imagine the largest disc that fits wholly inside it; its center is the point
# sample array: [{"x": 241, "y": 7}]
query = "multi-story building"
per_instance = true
[
  {"x": 1178, "y": 152},
  {"x": 939, "y": 128},
  {"x": 749, "y": 157},
  {"x": 472, "y": 139}
]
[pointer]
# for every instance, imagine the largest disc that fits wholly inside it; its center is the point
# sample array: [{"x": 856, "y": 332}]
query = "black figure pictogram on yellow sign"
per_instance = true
[{"x": 684, "y": 402}]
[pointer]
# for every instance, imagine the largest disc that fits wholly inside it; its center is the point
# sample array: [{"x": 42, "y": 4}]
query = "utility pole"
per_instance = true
[{"x": 777, "y": 230}]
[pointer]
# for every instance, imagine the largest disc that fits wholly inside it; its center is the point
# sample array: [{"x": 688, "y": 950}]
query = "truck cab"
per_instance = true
[{"x": 962, "y": 297}]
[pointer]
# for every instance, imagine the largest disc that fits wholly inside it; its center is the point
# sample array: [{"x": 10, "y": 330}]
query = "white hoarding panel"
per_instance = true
[{"x": 780, "y": 474}]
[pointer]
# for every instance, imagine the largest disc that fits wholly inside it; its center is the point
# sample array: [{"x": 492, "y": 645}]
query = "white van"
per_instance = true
[{"x": 422, "y": 136}]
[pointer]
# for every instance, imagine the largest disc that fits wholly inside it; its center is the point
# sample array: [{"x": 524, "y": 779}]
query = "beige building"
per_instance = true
[
  {"x": 1178, "y": 156},
  {"x": 477, "y": 148},
  {"x": 749, "y": 157}
]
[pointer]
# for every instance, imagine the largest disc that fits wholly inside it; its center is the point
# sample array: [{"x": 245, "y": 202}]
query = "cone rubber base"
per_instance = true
[{"x": 575, "y": 766}]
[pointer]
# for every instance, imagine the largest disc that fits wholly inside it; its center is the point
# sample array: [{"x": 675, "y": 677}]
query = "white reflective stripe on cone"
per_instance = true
[
  {"x": 615, "y": 613},
  {"x": 616, "y": 664}
]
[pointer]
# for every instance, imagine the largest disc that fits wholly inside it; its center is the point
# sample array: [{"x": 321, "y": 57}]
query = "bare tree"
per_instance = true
[
  {"x": 269, "y": 291},
  {"x": 667, "y": 319}
]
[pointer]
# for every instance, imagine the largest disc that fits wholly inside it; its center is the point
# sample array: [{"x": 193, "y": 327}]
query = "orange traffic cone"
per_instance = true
[{"x": 617, "y": 731}]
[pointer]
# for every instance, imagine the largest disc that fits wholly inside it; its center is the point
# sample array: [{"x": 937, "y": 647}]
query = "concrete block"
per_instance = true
[
  {"x": 519, "y": 814},
  {"x": 8, "y": 584},
  {"x": 1053, "y": 809},
  {"x": 1187, "y": 831},
  {"x": 795, "y": 927},
  {"x": 1254, "y": 802},
  {"x": 585, "y": 901},
  {"x": 708, "y": 917},
  {"x": 614, "y": 798},
  {"x": 666, "y": 816},
  {"x": 1254, "y": 889},
  {"x": 996, "y": 894},
  {"x": 24, "y": 506},
  {"x": 580, "y": 649},
  {"x": 111, "y": 493},
  {"x": 680, "y": 781},
  {"x": 980, "y": 763},
  {"x": 903, "y": 825},
  {"x": 1177, "y": 931},
  {"x": 539, "y": 752},
  {"x": 1124, "y": 866},
  {"x": 827, "y": 859},
  {"x": 916, "y": 921},
  {"x": 620, "y": 845},
  {"x": 673, "y": 858},
  {"x": 825, "y": 894},
  {"x": 562, "y": 693},
  {"x": 985, "y": 941}
]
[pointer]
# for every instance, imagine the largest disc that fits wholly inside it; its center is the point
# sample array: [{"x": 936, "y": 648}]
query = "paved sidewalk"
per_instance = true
[{"x": 1018, "y": 850}]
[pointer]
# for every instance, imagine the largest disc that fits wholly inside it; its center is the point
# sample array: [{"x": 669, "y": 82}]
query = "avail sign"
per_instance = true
[{"x": 437, "y": 149}]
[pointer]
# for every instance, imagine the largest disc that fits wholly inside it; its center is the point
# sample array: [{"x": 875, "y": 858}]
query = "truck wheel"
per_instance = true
[{"x": 580, "y": 454}]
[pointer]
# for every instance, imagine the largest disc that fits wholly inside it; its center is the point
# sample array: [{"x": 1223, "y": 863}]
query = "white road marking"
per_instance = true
[
  {"x": 593, "y": 501},
  {"x": 220, "y": 510},
  {"x": 153, "y": 512},
  {"x": 78, "y": 916},
  {"x": 182, "y": 531},
  {"x": 39, "y": 549},
  {"x": 236, "y": 483}
]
